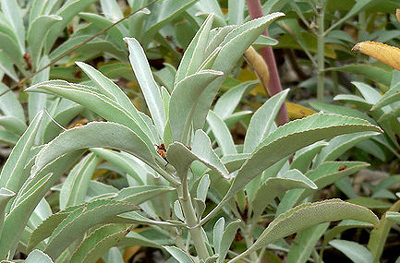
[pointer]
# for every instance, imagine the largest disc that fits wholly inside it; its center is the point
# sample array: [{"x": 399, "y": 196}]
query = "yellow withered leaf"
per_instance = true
[
  {"x": 297, "y": 111},
  {"x": 387, "y": 54},
  {"x": 398, "y": 14}
]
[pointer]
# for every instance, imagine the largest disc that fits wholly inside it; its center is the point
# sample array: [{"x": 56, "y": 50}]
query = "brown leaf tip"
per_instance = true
[{"x": 356, "y": 47}]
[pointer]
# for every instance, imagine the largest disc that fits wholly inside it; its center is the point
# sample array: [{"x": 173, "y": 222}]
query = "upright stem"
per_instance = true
[
  {"x": 192, "y": 221},
  {"x": 320, "y": 52},
  {"x": 275, "y": 87}
]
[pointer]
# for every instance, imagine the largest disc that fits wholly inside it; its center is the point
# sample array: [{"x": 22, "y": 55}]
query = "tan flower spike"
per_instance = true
[{"x": 387, "y": 54}]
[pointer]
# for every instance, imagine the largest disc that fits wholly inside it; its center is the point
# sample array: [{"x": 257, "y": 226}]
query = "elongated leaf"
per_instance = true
[
  {"x": 139, "y": 194},
  {"x": 343, "y": 226},
  {"x": 67, "y": 12},
  {"x": 92, "y": 135},
  {"x": 11, "y": 176},
  {"x": 98, "y": 103},
  {"x": 38, "y": 256},
  {"x": 37, "y": 32},
  {"x": 12, "y": 50},
  {"x": 293, "y": 136},
  {"x": 379, "y": 234},
  {"x": 179, "y": 254},
  {"x": 274, "y": 186},
  {"x": 236, "y": 10},
  {"x": 221, "y": 133},
  {"x": 10, "y": 105},
  {"x": 218, "y": 232},
  {"x": 310, "y": 214},
  {"x": 80, "y": 220},
  {"x": 356, "y": 252},
  {"x": 184, "y": 100},
  {"x": 262, "y": 121},
  {"x": 47, "y": 227},
  {"x": 202, "y": 147},
  {"x": 227, "y": 238},
  {"x": 217, "y": 35},
  {"x": 304, "y": 243},
  {"x": 325, "y": 174},
  {"x": 150, "y": 89},
  {"x": 74, "y": 189},
  {"x": 337, "y": 146},
  {"x": 230, "y": 99},
  {"x": 27, "y": 199},
  {"x": 194, "y": 54},
  {"x": 100, "y": 241},
  {"x": 233, "y": 46},
  {"x": 304, "y": 157},
  {"x": 13, "y": 12},
  {"x": 389, "y": 97},
  {"x": 109, "y": 88},
  {"x": 13, "y": 124}
]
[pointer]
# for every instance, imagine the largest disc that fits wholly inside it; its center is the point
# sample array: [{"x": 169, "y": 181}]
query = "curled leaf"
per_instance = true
[{"x": 387, "y": 54}]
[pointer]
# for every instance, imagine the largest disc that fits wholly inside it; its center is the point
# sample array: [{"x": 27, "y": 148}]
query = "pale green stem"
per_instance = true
[
  {"x": 320, "y": 53},
  {"x": 192, "y": 221},
  {"x": 248, "y": 238}
]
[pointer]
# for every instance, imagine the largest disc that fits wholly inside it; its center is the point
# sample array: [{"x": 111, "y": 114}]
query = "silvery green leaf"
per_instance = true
[
  {"x": 150, "y": 89},
  {"x": 179, "y": 254},
  {"x": 98, "y": 103},
  {"x": 233, "y": 46},
  {"x": 218, "y": 232},
  {"x": 7, "y": 67},
  {"x": 325, "y": 174},
  {"x": 11, "y": 174},
  {"x": 136, "y": 23},
  {"x": 12, "y": 11},
  {"x": 73, "y": 190},
  {"x": 111, "y": 10},
  {"x": 228, "y": 102},
  {"x": 303, "y": 158},
  {"x": 38, "y": 256},
  {"x": 221, "y": 133},
  {"x": 92, "y": 248},
  {"x": 202, "y": 189},
  {"x": 67, "y": 12},
  {"x": 275, "y": 186},
  {"x": 340, "y": 144},
  {"x": 115, "y": 33},
  {"x": 109, "y": 135},
  {"x": 9, "y": 104},
  {"x": 13, "y": 124},
  {"x": 356, "y": 252},
  {"x": 36, "y": 35},
  {"x": 185, "y": 99},
  {"x": 80, "y": 220},
  {"x": 227, "y": 239},
  {"x": 262, "y": 121},
  {"x": 5, "y": 197},
  {"x": 311, "y": 214},
  {"x": 236, "y": 11},
  {"x": 194, "y": 54}
]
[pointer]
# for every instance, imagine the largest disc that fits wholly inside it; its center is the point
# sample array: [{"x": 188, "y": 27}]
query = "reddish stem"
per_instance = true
[{"x": 275, "y": 87}]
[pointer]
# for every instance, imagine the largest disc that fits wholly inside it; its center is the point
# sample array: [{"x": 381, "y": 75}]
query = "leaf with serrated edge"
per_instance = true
[
  {"x": 310, "y": 214},
  {"x": 80, "y": 220},
  {"x": 293, "y": 136},
  {"x": 98, "y": 243},
  {"x": 11, "y": 175}
]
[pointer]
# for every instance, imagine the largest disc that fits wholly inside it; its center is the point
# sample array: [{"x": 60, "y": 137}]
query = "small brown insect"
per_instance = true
[
  {"x": 341, "y": 168},
  {"x": 162, "y": 151},
  {"x": 179, "y": 50}
]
